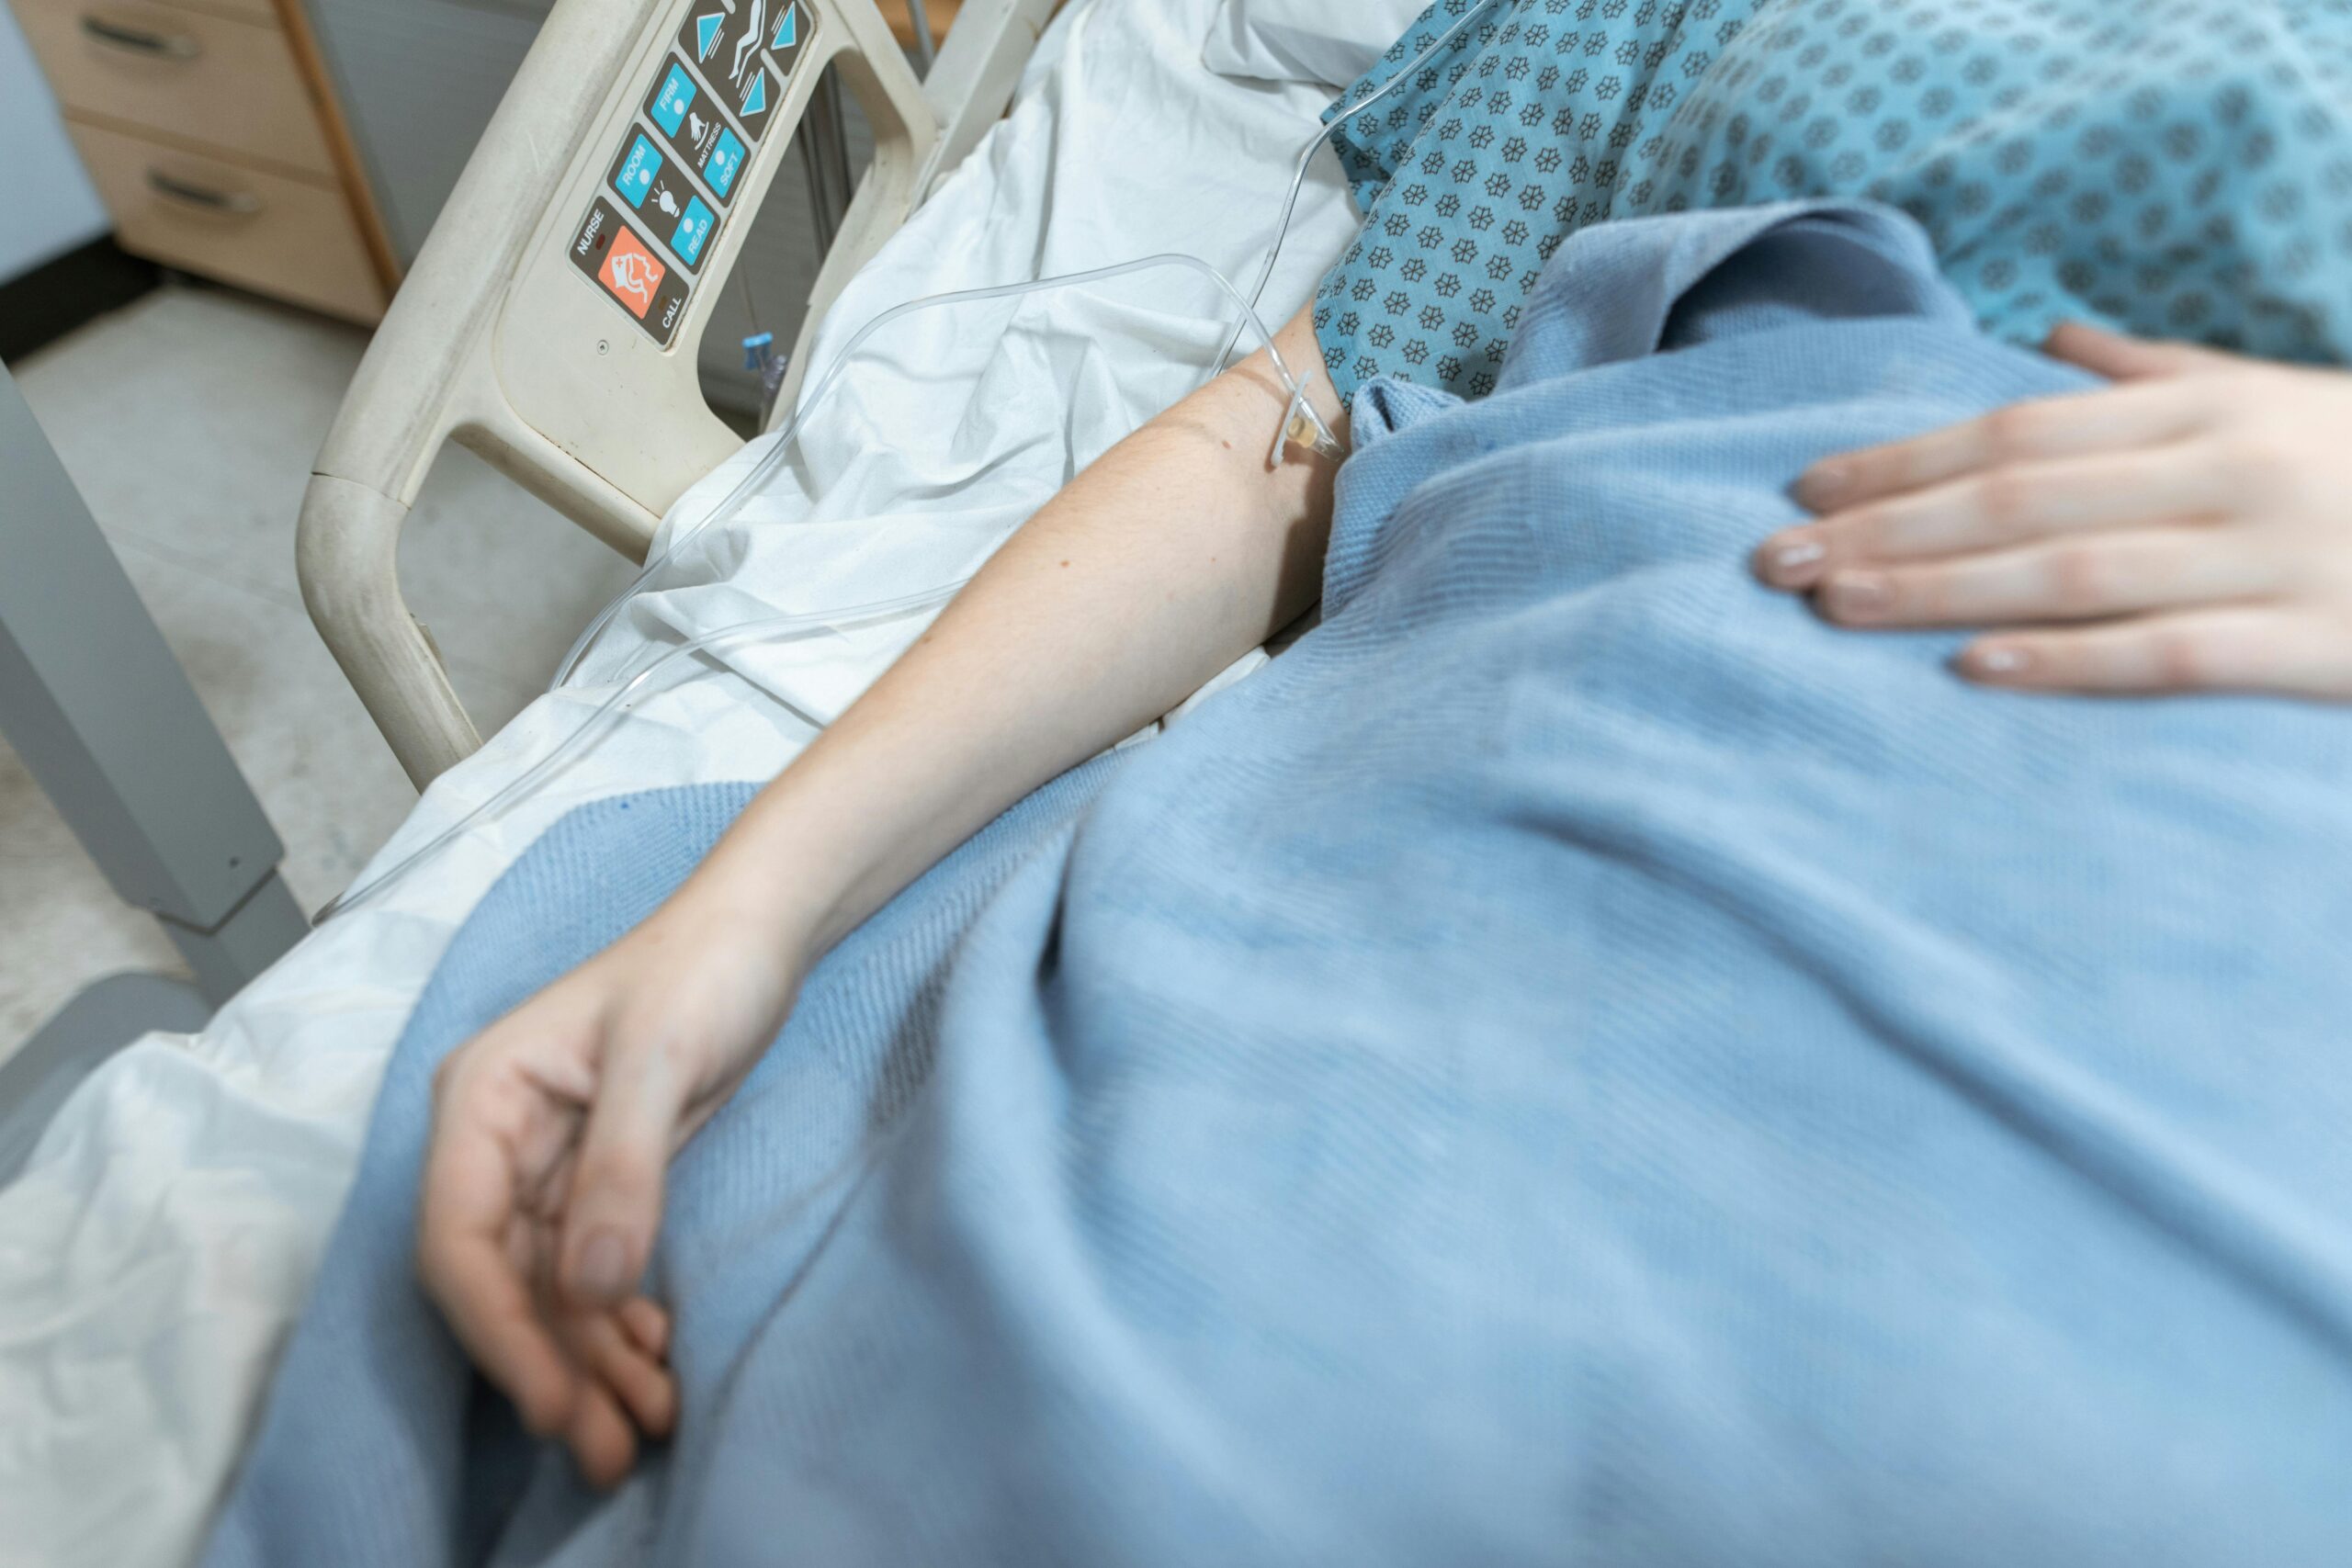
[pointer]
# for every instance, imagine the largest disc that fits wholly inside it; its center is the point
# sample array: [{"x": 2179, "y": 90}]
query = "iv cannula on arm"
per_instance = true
[{"x": 1176, "y": 553}]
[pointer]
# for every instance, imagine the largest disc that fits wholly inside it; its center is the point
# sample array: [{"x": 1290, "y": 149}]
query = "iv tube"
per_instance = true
[
  {"x": 1298, "y": 409},
  {"x": 775, "y": 627},
  {"x": 744, "y": 488},
  {"x": 1306, "y": 157},
  {"x": 769, "y": 628}
]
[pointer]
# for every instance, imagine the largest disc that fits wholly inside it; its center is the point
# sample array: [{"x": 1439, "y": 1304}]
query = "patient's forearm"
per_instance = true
[{"x": 1171, "y": 556}]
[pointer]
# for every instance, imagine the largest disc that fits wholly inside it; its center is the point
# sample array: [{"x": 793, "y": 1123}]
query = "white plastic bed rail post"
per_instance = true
[
  {"x": 400, "y": 405},
  {"x": 976, "y": 73},
  {"x": 967, "y": 89},
  {"x": 505, "y": 338}
]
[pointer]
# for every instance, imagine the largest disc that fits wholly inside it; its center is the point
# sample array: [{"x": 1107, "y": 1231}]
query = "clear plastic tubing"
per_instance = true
[
  {"x": 1306, "y": 157},
  {"x": 751, "y": 483},
  {"x": 777, "y": 627},
  {"x": 768, "y": 628}
]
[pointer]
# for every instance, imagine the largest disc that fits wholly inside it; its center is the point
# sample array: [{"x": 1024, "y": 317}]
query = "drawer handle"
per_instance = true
[
  {"x": 139, "y": 40},
  {"x": 227, "y": 203}
]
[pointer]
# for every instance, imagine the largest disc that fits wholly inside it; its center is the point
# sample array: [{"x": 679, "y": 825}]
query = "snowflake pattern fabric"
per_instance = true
[
  {"x": 2180, "y": 168},
  {"x": 1510, "y": 138}
]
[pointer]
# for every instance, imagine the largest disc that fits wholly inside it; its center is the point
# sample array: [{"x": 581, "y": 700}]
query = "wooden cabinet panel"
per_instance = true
[
  {"x": 901, "y": 18},
  {"x": 263, "y": 11},
  {"x": 190, "y": 74},
  {"x": 270, "y": 232}
]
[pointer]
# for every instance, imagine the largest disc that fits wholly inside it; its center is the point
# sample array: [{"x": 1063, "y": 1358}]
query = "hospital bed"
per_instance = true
[
  {"x": 161, "y": 1241},
  {"x": 553, "y": 321}
]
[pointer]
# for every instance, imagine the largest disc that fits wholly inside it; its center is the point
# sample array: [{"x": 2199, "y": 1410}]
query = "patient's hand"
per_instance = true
[
  {"x": 2189, "y": 527},
  {"x": 551, "y": 1131},
  {"x": 1172, "y": 556}
]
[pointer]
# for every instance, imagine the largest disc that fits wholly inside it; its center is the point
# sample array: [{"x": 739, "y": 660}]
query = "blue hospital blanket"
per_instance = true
[{"x": 1576, "y": 1061}]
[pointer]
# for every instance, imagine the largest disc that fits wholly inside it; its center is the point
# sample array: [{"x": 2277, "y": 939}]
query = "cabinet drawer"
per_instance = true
[
  {"x": 262, "y": 11},
  {"x": 273, "y": 234},
  {"x": 228, "y": 84}
]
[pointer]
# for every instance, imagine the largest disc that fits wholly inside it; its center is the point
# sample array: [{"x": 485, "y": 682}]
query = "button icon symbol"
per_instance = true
[
  {"x": 755, "y": 102},
  {"x": 706, "y": 31},
  {"x": 788, "y": 29},
  {"x": 692, "y": 230},
  {"x": 637, "y": 173},
  {"x": 631, "y": 273},
  {"x": 726, "y": 162},
  {"x": 677, "y": 93},
  {"x": 744, "y": 45}
]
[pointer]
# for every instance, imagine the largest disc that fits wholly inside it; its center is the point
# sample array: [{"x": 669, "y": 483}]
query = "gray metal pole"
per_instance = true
[
  {"x": 106, "y": 721},
  {"x": 926, "y": 48}
]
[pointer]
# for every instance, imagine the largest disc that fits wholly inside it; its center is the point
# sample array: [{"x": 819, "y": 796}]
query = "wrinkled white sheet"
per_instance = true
[{"x": 158, "y": 1247}]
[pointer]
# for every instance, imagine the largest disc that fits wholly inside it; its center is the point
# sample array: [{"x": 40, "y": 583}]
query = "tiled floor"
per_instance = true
[{"x": 189, "y": 421}]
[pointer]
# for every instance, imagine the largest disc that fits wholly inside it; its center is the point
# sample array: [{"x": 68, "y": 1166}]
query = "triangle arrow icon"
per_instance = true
[
  {"x": 706, "y": 34},
  {"x": 757, "y": 98},
  {"x": 787, "y": 29}
]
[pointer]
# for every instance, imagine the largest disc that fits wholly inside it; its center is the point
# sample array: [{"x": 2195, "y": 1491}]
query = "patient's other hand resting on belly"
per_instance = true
[{"x": 2187, "y": 529}]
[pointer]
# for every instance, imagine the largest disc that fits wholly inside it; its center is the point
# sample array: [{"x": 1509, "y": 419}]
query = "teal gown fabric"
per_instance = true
[{"x": 2180, "y": 169}]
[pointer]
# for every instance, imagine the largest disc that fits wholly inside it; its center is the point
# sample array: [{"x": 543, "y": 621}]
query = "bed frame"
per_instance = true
[{"x": 551, "y": 321}]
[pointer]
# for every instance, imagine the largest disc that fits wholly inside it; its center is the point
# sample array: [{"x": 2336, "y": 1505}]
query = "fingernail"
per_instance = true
[
  {"x": 1791, "y": 565},
  {"x": 1998, "y": 662},
  {"x": 1859, "y": 593},
  {"x": 602, "y": 1271},
  {"x": 1821, "y": 486}
]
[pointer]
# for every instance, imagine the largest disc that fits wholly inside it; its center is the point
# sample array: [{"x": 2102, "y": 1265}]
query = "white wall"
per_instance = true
[{"x": 46, "y": 202}]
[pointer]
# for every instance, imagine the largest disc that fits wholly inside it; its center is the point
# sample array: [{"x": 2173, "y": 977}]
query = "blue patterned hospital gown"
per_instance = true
[{"x": 2178, "y": 168}]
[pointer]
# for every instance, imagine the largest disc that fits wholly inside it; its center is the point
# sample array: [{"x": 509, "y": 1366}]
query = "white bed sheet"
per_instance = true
[{"x": 159, "y": 1245}]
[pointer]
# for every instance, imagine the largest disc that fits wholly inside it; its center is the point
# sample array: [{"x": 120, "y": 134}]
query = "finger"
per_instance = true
[
  {"x": 646, "y": 1390},
  {"x": 649, "y": 1324},
  {"x": 2107, "y": 574},
  {"x": 465, "y": 1217},
  {"x": 615, "y": 1205},
  {"x": 600, "y": 1437},
  {"x": 2110, "y": 418},
  {"x": 2122, "y": 359},
  {"x": 2241, "y": 648},
  {"x": 2007, "y": 506}
]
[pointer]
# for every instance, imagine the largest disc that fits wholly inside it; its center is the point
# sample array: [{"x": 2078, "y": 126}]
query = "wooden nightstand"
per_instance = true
[
  {"x": 208, "y": 129},
  {"x": 902, "y": 21}
]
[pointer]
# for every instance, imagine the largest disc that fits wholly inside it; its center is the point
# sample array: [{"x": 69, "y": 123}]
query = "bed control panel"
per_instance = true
[
  {"x": 671, "y": 119},
  {"x": 667, "y": 190},
  {"x": 608, "y": 250},
  {"x": 622, "y": 172}
]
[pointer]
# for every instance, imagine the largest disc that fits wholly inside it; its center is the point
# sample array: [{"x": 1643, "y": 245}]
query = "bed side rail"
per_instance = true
[{"x": 551, "y": 324}]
